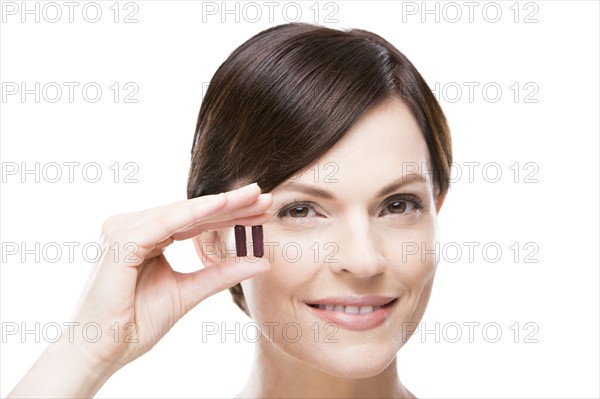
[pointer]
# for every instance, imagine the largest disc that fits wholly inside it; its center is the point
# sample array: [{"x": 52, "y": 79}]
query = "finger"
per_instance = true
[
  {"x": 250, "y": 215},
  {"x": 235, "y": 198},
  {"x": 147, "y": 228},
  {"x": 261, "y": 205},
  {"x": 162, "y": 223},
  {"x": 248, "y": 221},
  {"x": 256, "y": 209},
  {"x": 196, "y": 286}
]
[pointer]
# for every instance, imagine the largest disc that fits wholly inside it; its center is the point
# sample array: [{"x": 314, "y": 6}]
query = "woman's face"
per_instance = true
[{"x": 351, "y": 234}]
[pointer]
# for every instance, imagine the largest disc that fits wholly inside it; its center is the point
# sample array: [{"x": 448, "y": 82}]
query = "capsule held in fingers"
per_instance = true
[
  {"x": 258, "y": 241},
  {"x": 240, "y": 240}
]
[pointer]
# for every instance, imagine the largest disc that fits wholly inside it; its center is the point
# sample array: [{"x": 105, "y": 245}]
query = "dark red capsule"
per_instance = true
[
  {"x": 258, "y": 248},
  {"x": 240, "y": 240}
]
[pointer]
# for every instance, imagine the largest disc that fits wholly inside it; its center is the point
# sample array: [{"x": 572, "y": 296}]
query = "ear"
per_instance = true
[
  {"x": 208, "y": 247},
  {"x": 439, "y": 201}
]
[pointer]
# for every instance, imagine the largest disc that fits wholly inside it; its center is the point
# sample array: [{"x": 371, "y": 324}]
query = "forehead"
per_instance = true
[{"x": 385, "y": 141}]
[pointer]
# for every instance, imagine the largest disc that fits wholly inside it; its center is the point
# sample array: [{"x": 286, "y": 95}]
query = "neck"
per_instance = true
[{"x": 276, "y": 374}]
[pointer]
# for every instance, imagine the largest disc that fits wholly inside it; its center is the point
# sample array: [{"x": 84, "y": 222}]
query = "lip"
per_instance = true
[{"x": 356, "y": 322}]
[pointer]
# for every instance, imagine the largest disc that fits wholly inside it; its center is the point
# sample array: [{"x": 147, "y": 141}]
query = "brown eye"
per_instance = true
[
  {"x": 402, "y": 205},
  {"x": 397, "y": 207},
  {"x": 299, "y": 212}
]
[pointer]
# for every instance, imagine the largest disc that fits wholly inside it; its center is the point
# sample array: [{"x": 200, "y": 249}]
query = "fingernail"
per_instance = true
[
  {"x": 248, "y": 187},
  {"x": 265, "y": 197},
  {"x": 240, "y": 240},
  {"x": 258, "y": 249}
]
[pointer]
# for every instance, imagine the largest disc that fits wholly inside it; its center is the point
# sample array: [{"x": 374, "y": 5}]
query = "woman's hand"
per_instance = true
[{"x": 133, "y": 294}]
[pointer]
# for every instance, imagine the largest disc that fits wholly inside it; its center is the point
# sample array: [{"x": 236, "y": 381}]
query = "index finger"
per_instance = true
[{"x": 149, "y": 227}]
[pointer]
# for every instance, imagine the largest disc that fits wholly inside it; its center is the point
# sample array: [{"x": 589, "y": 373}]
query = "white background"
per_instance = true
[{"x": 170, "y": 54}]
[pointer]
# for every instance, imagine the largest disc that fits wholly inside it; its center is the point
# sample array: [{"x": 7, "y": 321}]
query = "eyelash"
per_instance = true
[
  {"x": 416, "y": 202},
  {"x": 302, "y": 204}
]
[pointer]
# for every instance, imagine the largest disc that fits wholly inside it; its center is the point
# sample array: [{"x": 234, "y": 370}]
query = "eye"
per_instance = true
[
  {"x": 398, "y": 206},
  {"x": 402, "y": 204},
  {"x": 297, "y": 210}
]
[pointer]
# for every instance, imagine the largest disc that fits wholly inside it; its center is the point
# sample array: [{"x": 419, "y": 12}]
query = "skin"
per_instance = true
[
  {"x": 368, "y": 234},
  {"x": 141, "y": 288},
  {"x": 146, "y": 291}
]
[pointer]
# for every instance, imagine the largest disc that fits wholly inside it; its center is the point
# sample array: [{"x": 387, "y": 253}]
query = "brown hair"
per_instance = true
[{"x": 283, "y": 98}]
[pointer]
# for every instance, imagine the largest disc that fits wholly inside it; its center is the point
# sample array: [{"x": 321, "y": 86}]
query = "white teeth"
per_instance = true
[{"x": 350, "y": 309}]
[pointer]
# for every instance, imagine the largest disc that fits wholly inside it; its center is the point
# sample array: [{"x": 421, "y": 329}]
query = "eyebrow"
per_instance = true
[{"x": 321, "y": 193}]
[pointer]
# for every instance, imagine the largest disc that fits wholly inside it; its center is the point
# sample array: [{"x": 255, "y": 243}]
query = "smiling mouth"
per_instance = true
[{"x": 351, "y": 309}]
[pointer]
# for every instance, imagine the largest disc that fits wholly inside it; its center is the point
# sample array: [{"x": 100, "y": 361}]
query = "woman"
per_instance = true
[{"x": 352, "y": 153}]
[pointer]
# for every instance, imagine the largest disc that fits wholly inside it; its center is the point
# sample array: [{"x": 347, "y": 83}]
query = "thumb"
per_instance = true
[{"x": 196, "y": 286}]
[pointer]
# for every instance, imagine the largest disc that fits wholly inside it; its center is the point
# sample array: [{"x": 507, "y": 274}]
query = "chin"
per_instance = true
[
  {"x": 354, "y": 366},
  {"x": 350, "y": 360}
]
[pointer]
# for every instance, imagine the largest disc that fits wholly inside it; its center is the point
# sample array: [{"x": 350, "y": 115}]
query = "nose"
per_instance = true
[{"x": 359, "y": 250}]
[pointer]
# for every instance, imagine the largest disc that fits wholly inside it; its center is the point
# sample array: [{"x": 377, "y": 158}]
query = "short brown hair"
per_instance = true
[{"x": 287, "y": 95}]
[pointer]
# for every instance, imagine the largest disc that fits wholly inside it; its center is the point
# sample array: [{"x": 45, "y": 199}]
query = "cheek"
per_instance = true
[
  {"x": 297, "y": 258},
  {"x": 411, "y": 253},
  {"x": 292, "y": 269}
]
